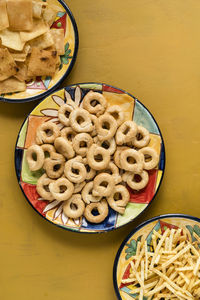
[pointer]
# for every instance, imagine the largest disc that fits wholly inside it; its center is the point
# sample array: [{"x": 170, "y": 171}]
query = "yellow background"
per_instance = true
[{"x": 150, "y": 48}]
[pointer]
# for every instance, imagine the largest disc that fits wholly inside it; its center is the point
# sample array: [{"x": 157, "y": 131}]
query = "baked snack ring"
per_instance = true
[
  {"x": 106, "y": 127},
  {"x": 116, "y": 112},
  {"x": 126, "y": 132},
  {"x": 131, "y": 160},
  {"x": 64, "y": 147},
  {"x": 35, "y": 157},
  {"x": 97, "y": 157},
  {"x": 54, "y": 165},
  {"x": 102, "y": 209},
  {"x": 74, "y": 207},
  {"x": 78, "y": 187},
  {"x": 42, "y": 187},
  {"x": 61, "y": 189},
  {"x": 68, "y": 133},
  {"x": 80, "y": 120},
  {"x": 90, "y": 173},
  {"x": 119, "y": 198},
  {"x": 138, "y": 181},
  {"x": 81, "y": 143},
  {"x": 142, "y": 137},
  {"x": 117, "y": 154},
  {"x": 63, "y": 114},
  {"x": 75, "y": 170},
  {"x": 46, "y": 133},
  {"x": 151, "y": 158},
  {"x": 103, "y": 185},
  {"x": 95, "y": 103},
  {"x": 87, "y": 194},
  {"x": 109, "y": 145},
  {"x": 48, "y": 149},
  {"x": 93, "y": 120},
  {"x": 113, "y": 170}
]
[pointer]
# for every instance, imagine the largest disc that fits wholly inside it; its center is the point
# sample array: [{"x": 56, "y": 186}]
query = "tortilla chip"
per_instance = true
[
  {"x": 38, "y": 9},
  {"x": 8, "y": 66},
  {"x": 4, "y": 23},
  {"x": 43, "y": 41},
  {"x": 58, "y": 37},
  {"x": 39, "y": 28},
  {"x": 22, "y": 71},
  {"x": 11, "y": 39},
  {"x": 12, "y": 85},
  {"x": 42, "y": 63},
  {"x": 49, "y": 15},
  {"x": 20, "y": 15}
]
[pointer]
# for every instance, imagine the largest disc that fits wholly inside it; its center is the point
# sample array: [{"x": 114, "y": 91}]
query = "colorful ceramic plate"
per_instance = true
[
  {"x": 129, "y": 247},
  {"x": 43, "y": 86},
  {"x": 48, "y": 110}
]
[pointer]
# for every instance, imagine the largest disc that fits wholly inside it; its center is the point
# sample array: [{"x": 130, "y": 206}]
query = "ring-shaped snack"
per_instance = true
[
  {"x": 75, "y": 170},
  {"x": 80, "y": 120},
  {"x": 131, "y": 160},
  {"x": 126, "y": 132},
  {"x": 46, "y": 133},
  {"x": 90, "y": 173},
  {"x": 116, "y": 112},
  {"x": 95, "y": 103},
  {"x": 106, "y": 127},
  {"x": 138, "y": 181},
  {"x": 81, "y": 143},
  {"x": 150, "y": 157},
  {"x": 61, "y": 189},
  {"x": 97, "y": 157},
  {"x": 113, "y": 170},
  {"x": 87, "y": 193},
  {"x": 78, "y": 187},
  {"x": 74, "y": 207},
  {"x": 94, "y": 121},
  {"x": 48, "y": 149},
  {"x": 109, "y": 145},
  {"x": 117, "y": 154},
  {"x": 142, "y": 137},
  {"x": 68, "y": 133},
  {"x": 64, "y": 147},
  {"x": 63, "y": 114},
  {"x": 42, "y": 187},
  {"x": 35, "y": 157},
  {"x": 54, "y": 165},
  {"x": 119, "y": 198},
  {"x": 102, "y": 209},
  {"x": 103, "y": 185}
]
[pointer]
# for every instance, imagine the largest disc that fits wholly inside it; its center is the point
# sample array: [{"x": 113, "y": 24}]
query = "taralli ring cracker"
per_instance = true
[
  {"x": 88, "y": 159},
  {"x": 95, "y": 103}
]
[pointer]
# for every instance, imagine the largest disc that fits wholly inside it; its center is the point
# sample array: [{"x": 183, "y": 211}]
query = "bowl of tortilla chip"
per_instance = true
[{"x": 38, "y": 48}]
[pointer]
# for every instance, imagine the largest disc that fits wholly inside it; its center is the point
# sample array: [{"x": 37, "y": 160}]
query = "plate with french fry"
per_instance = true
[
  {"x": 90, "y": 158},
  {"x": 38, "y": 48},
  {"x": 160, "y": 259}
]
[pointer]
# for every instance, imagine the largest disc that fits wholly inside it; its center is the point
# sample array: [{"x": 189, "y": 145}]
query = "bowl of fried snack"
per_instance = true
[
  {"x": 38, "y": 48},
  {"x": 160, "y": 259},
  {"x": 90, "y": 158}
]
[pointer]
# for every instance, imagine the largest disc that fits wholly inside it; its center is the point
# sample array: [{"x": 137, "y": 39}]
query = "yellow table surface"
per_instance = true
[{"x": 150, "y": 48}]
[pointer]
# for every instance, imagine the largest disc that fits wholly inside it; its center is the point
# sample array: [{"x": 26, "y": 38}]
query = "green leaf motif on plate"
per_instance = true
[
  {"x": 65, "y": 58},
  {"x": 194, "y": 229},
  {"x": 132, "y": 247}
]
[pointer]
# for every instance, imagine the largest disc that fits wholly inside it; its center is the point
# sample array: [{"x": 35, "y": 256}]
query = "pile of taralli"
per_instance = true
[
  {"x": 168, "y": 270},
  {"x": 29, "y": 47},
  {"x": 91, "y": 160}
]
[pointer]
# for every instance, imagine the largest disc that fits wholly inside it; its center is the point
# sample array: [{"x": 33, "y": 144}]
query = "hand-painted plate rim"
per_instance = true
[
  {"x": 112, "y": 228},
  {"x": 117, "y": 257},
  {"x": 53, "y": 88}
]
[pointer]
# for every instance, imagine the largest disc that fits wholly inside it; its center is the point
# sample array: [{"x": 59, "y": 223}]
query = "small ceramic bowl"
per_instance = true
[
  {"x": 128, "y": 247},
  {"x": 41, "y": 87},
  {"x": 48, "y": 110}
]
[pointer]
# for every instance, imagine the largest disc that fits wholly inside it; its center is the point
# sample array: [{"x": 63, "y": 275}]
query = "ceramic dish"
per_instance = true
[
  {"x": 43, "y": 86},
  {"x": 48, "y": 110},
  {"x": 129, "y": 247}
]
